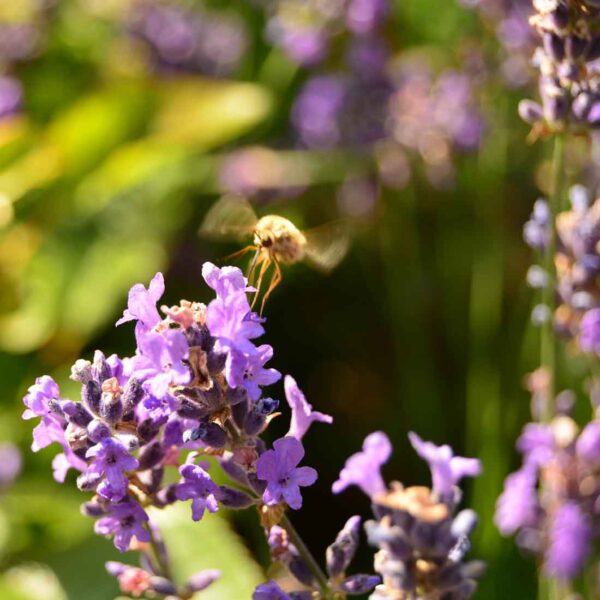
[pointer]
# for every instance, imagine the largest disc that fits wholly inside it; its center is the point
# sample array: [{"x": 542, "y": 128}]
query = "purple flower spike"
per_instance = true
[
  {"x": 141, "y": 303},
  {"x": 269, "y": 591},
  {"x": 518, "y": 505},
  {"x": 111, "y": 460},
  {"x": 364, "y": 468},
  {"x": 278, "y": 467},
  {"x": 302, "y": 412},
  {"x": 37, "y": 401},
  {"x": 446, "y": 469},
  {"x": 125, "y": 520},
  {"x": 200, "y": 488},
  {"x": 570, "y": 542}
]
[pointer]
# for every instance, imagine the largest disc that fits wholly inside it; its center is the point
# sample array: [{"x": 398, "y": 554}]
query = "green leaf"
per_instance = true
[{"x": 208, "y": 544}]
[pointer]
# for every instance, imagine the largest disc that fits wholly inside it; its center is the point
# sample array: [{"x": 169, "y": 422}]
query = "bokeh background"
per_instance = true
[{"x": 122, "y": 122}]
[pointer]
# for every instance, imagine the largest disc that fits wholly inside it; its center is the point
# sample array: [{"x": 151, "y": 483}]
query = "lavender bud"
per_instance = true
[
  {"x": 161, "y": 585},
  {"x": 100, "y": 368},
  {"x": 464, "y": 523},
  {"x": 188, "y": 409},
  {"x": 236, "y": 395},
  {"x": 132, "y": 394},
  {"x": 201, "y": 580},
  {"x": 81, "y": 371},
  {"x": 111, "y": 408},
  {"x": 266, "y": 406},
  {"x": 355, "y": 585},
  {"x": 555, "y": 108},
  {"x": 234, "y": 470},
  {"x": 299, "y": 569},
  {"x": 254, "y": 422},
  {"x": 560, "y": 17},
  {"x": 530, "y": 111},
  {"x": 148, "y": 430},
  {"x": 210, "y": 434},
  {"x": 553, "y": 45},
  {"x": 129, "y": 440},
  {"x": 151, "y": 455},
  {"x": 76, "y": 413},
  {"x": 91, "y": 395},
  {"x": 239, "y": 412},
  {"x": 575, "y": 46},
  {"x": 87, "y": 482},
  {"x": 92, "y": 509},
  {"x": 166, "y": 496},
  {"x": 97, "y": 431},
  {"x": 215, "y": 362},
  {"x": 582, "y": 105},
  {"x": 458, "y": 551},
  {"x": 232, "y": 498},
  {"x": 449, "y": 578},
  {"x": 115, "y": 568},
  {"x": 304, "y": 595},
  {"x": 257, "y": 484},
  {"x": 592, "y": 51},
  {"x": 341, "y": 552}
]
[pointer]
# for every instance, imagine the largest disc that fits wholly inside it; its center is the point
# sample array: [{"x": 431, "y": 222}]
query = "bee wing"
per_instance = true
[
  {"x": 230, "y": 217},
  {"x": 327, "y": 245}
]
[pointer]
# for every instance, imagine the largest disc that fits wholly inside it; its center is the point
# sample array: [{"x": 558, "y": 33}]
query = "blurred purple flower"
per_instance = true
[
  {"x": 589, "y": 339},
  {"x": 536, "y": 443},
  {"x": 278, "y": 467},
  {"x": 269, "y": 591},
  {"x": 302, "y": 413},
  {"x": 518, "y": 504},
  {"x": 11, "y": 96},
  {"x": 363, "y": 468},
  {"x": 570, "y": 542},
  {"x": 11, "y": 463}
]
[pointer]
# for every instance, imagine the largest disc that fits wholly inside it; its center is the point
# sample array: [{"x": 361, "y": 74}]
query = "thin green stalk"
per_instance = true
[
  {"x": 548, "y": 338},
  {"x": 161, "y": 560},
  {"x": 305, "y": 553}
]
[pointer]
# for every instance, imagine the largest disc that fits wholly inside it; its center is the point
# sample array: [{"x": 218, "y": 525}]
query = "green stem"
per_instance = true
[
  {"x": 548, "y": 338},
  {"x": 308, "y": 558},
  {"x": 161, "y": 560}
]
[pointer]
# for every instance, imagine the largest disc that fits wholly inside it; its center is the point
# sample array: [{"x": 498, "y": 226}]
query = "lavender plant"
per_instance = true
[
  {"x": 551, "y": 501},
  {"x": 193, "y": 391}
]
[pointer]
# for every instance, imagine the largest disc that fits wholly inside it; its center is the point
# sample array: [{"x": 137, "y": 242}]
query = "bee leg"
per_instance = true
[
  {"x": 275, "y": 281},
  {"x": 252, "y": 266},
  {"x": 239, "y": 253},
  {"x": 266, "y": 263}
]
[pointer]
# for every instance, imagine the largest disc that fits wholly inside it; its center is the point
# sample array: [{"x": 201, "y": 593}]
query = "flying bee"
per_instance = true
[{"x": 275, "y": 241}]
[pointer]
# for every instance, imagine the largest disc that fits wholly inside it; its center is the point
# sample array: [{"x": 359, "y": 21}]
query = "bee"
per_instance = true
[{"x": 275, "y": 241}]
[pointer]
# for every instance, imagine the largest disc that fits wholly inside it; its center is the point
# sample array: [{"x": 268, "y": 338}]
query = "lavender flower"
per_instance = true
[
  {"x": 302, "y": 413},
  {"x": 111, "y": 460},
  {"x": 517, "y": 506},
  {"x": 141, "y": 304},
  {"x": 363, "y": 468},
  {"x": 446, "y": 469},
  {"x": 199, "y": 487},
  {"x": 278, "y": 467},
  {"x": 269, "y": 591},
  {"x": 124, "y": 521}
]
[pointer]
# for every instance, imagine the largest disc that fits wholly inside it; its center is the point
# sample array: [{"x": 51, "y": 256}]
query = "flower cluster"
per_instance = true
[
  {"x": 421, "y": 540},
  {"x": 304, "y": 30},
  {"x": 569, "y": 81},
  {"x": 509, "y": 21},
  {"x": 192, "y": 389},
  {"x": 557, "y": 522},
  {"x": 191, "y": 40}
]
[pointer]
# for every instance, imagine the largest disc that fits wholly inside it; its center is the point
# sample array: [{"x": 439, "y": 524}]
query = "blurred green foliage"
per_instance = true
[{"x": 104, "y": 179}]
